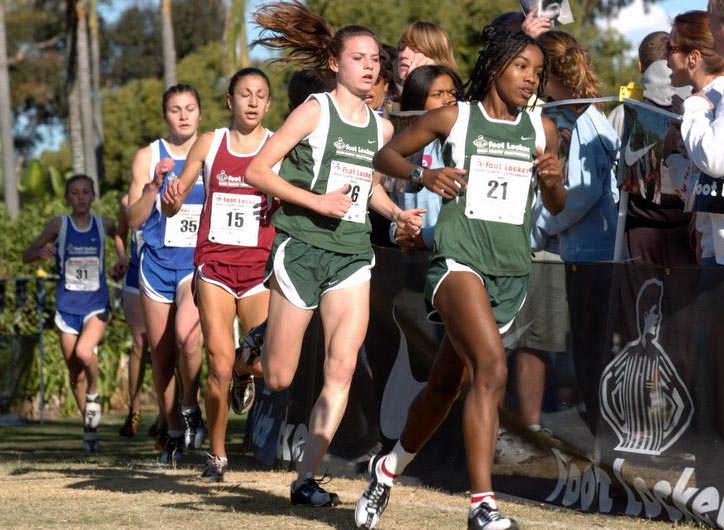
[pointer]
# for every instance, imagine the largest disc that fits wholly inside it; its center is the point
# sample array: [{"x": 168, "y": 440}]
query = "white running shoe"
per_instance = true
[
  {"x": 374, "y": 500},
  {"x": 92, "y": 413}
]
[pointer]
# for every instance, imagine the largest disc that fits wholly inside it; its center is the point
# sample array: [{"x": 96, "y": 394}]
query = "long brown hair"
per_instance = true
[
  {"x": 571, "y": 64},
  {"x": 309, "y": 38},
  {"x": 693, "y": 33}
]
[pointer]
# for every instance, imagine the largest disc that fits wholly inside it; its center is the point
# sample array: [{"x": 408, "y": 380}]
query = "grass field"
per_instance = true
[{"x": 47, "y": 481}]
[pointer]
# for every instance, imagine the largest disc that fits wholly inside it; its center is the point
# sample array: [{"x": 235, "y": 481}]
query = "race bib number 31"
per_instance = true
[
  {"x": 82, "y": 273},
  {"x": 360, "y": 180},
  {"x": 181, "y": 229},
  {"x": 234, "y": 219},
  {"x": 498, "y": 189}
]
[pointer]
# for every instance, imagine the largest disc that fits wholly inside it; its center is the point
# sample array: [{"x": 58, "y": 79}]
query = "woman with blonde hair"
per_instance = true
[
  {"x": 423, "y": 43},
  {"x": 586, "y": 228}
]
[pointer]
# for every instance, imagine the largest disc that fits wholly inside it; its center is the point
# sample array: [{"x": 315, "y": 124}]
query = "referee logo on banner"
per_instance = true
[{"x": 643, "y": 398}]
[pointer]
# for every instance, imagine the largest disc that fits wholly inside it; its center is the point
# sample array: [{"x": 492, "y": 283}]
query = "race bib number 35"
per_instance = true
[
  {"x": 82, "y": 273},
  {"x": 181, "y": 229},
  {"x": 498, "y": 189},
  {"x": 360, "y": 180},
  {"x": 234, "y": 219}
]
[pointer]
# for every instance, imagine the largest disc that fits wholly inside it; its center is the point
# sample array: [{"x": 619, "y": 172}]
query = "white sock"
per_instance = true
[
  {"x": 488, "y": 497},
  {"x": 298, "y": 481},
  {"x": 189, "y": 409},
  {"x": 91, "y": 397},
  {"x": 535, "y": 427},
  {"x": 397, "y": 460}
]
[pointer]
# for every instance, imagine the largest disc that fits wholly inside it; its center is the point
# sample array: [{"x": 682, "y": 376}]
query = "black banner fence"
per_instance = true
[
  {"x": 22, "y": 323},
  {"x": 632, "y": 410}
]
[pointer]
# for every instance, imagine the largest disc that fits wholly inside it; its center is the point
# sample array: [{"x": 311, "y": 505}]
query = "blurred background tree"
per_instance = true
[
  {"x": 125, "y": 62},
  {"x": 52, "y": 46}
]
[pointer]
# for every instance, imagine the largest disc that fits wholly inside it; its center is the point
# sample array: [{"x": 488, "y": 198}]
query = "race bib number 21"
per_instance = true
[{"x": 498, "y": 189}]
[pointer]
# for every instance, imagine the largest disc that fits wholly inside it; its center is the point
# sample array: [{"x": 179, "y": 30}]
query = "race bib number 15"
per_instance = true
[{"x": 235, "y": 219}]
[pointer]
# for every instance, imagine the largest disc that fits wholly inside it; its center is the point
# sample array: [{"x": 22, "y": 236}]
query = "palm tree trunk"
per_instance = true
[
  {"x": 10, "y": 182},
  {"x": 237, "y": 53},
  {"x": 169, "y": 46},
  {"x": 84, "y": 94},
  {"x": 95, "y": 56},
  {"x": 75, "y": 130}
]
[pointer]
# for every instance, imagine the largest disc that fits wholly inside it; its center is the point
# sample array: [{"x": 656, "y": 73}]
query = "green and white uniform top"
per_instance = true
[
  {"x": 488, "y": 226},
  {"x": 336, "y": 153}
]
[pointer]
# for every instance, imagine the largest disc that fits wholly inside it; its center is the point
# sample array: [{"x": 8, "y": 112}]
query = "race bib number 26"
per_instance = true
[{"x": 359, "y": 179}]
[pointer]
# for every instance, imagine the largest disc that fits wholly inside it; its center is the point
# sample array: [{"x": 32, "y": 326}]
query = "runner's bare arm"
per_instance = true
[
  {"x": 119, "y": 245},
  {"x": 390, "y": 160},
  {"x": 142, "y": 193},
  {"x": 41, "y": 248},
  {"x": 409, "y": 221},
  {"x": 549, "y": 171},
  {"x": 300, "y": 123},
  {"x": 178, "y": 189}
]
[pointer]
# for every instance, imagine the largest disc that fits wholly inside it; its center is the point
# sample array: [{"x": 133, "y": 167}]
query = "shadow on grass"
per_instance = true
[
  {"x": 227, "y": 496},
  {"x": 129, "y": 466}
]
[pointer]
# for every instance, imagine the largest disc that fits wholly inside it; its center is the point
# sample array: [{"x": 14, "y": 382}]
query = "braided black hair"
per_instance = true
[{"x": 500, "y": 47}]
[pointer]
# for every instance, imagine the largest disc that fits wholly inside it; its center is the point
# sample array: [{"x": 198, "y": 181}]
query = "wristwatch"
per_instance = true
[{"x": 416, "y": 175}]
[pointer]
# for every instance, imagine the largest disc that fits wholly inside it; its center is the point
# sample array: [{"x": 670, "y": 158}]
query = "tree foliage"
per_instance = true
[
  {"x": 463, "y": 19},
  {"x": 133, "y": 44},
  {"x": 35, "y": 47},
  {"x": 132, "y": 60},
  {"x": 133, "y": 114}
]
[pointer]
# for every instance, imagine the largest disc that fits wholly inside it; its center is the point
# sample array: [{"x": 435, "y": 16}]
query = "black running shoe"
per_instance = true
[
  {"x": 250, "y": 348},
  {"x": 214, "y": 469},
  {"x": 374, "y": 500},
  {"x": 155, "y": 428},
  {"x": 173, "y": 451},
  {"x": 241, "y": 393},
  {"x": 310, "y": 493},
  {"x": 242, "y": 390},
  {"x": 161, "y": 437},
  {"x": 130, "y": 427},
  {"x": 195, "y": 431},
  {"x": 486, "y": 518}
]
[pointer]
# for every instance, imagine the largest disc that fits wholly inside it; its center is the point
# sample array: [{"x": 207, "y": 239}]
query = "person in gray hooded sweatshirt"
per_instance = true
[{"x": 657, "y": 228}]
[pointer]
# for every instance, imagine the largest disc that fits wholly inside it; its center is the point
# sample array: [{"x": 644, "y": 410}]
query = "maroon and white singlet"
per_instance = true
[{"x": 235, "y": 232}]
